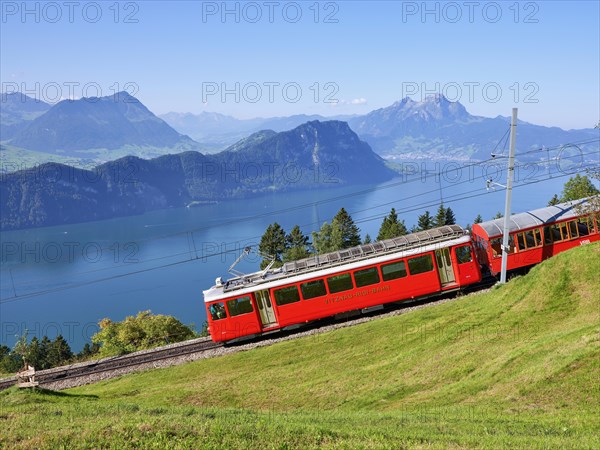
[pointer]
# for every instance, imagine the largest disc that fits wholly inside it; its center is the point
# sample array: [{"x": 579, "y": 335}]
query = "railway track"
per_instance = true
[
  {"x": 93, "y": 371},
  {"x": 124, "y": 364}
]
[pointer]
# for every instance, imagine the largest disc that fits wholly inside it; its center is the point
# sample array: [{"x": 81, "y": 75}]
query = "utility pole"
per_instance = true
[{"x": 509, "y": 181}]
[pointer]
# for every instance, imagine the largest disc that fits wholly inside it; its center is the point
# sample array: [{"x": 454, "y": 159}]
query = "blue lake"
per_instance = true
[{"x": 64, "y": 279}]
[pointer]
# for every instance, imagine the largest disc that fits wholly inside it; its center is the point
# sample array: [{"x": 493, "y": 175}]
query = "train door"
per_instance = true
[
  {"x": 444, "y": 264},
  {"x": 265, "y": 308}
]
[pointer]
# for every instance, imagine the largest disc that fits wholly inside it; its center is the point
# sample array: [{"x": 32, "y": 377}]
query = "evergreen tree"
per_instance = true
[
  {"x": 344, "y": 230},
  {"x": 440, "y": 217},
  {"x": 425, "y": 221},
  {"x": 498, "y": 215},
  {"x": 44, "y": 361},
  {"x": 273, "y": 243},
  {"x": 10, "y": 362},
  {"x": 450, "y": 218},
  {"x": 367, "y": 239},
  {"x": 33, "y": 355},
  {"x": 59, "y": 352},
  {"x": 391, "y": 227},
  {"x": 322, "y": 239},
  {"x": 478, "y": 219},
  {"x": 297, "y": 245},
  {"x": 554, "y": 200}
]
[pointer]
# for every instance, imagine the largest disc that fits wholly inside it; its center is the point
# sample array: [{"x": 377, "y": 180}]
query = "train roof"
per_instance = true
[
  {"x": 535, "y": 218},
  {"x": 352, "y": 258}
]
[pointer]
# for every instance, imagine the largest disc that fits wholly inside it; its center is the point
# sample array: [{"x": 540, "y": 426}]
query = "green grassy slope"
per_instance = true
[{"x": 516, "y": 367}]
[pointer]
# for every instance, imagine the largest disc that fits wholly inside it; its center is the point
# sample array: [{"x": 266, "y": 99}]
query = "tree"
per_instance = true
[
  {"x": 555, "y": 200},
  {"x": 273, "y": 243},
  {"x": 440, "y": 217},
  {"x": 367, "y": 239},
  {"x": 425, "y": 221},
  {"x": 9, "y": 361},
  {"x": 322, "y": 239},
  {"x": 478, "y": 219},
  {"x": 344, "y": 232},
  {"x": 391, "y": 227},
  {"x": 59, "y": 352},
  {"x": 578, "y": 187},
  {"x": 498, "y": 215},
  {"x": 297, "y": 245},
  {"x": 450, "y": 218},
  {"x": 143, "y": 331}
]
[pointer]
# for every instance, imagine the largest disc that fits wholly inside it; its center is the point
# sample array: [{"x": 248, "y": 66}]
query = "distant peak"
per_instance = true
[{"x": 436, "y": 98}]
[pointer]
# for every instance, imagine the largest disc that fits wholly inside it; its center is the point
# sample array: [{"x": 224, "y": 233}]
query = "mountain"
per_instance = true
[
  {"x": 218, "y": 130},
  {"x": 315, "y": 155},
  {"x": 73, "y": 127},
  {"x": 16, "y": 110},
  {"x": 437, "y": 128}
]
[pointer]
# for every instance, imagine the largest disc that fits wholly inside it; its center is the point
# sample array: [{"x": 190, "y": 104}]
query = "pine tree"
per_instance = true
[
  {"x": 344, "y": 232},
  {"x": 44, "y": 351},
  {"x": 498, "y": 215},
  {"x": 440, "y": 217},
  {"x": 297, "y": 245},
  {"x": 554, "y": 200},
  {"x": 367, "y": 239},
  {"x": 478, "y": 219},
  {"x": 425, "y": 221},
  {"x": 59, "y": 352},
  {"x": 450, "y": 218},
  {"x": 322, "y": 239},
  {"x": 32, "y": 354},
  {"x": 391, "y": 227},
  {"x": 273, "y": 243}
]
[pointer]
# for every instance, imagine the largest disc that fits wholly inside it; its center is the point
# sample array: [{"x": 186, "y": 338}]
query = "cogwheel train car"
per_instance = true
[
  {"x": 535, "y": 235},
  {"x": 407, "y": 267}
]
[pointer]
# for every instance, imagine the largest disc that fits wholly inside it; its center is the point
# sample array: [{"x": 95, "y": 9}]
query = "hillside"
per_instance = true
[
  {"x": 315, "y": 155},
  {"x": 515, "y": 367}
]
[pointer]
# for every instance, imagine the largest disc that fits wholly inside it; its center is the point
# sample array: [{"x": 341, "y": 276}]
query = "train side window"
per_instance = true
[
  {"x": 287, "y": 295},
  {"x": 217, "y": 311},
  {"x": 393, "y": 271},
  {"x": 521, "y": 241},
  {"x": 564, "y": 231},
  {"x": 537, "y": 233},
  {"x": 339, "y": 283},
  {"x": 547, "y": 235},
  {"x": 239, "y": 306},
  {"x": 463, "y": 254},
  {"x": 420, "y": 264},
  {"x": 312, "y": 289},
  {"x": 573, "y": 229},
  {"x": 583, "y": 226},
  {"x": 496, "y": 247},
  {"x": 366, "y": 277}
]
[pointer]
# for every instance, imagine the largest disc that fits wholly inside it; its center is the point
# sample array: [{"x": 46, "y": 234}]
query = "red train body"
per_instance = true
[
  {"x": 407, "y": 267},
  {"x": 535, "y": 235}
]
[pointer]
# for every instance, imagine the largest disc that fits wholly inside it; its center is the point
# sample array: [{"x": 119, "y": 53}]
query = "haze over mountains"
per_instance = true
[
  {"x": 315, "y": 155},
  {"x": 102, "y": 129}
]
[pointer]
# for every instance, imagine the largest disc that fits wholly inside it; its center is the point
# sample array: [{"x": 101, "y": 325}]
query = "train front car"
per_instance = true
[
  {"x": 407, "y": 267},
  {"x": 536, "y": 235}
]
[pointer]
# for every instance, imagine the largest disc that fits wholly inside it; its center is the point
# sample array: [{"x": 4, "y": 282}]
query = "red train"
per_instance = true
[{"x": 414, "y": 266}]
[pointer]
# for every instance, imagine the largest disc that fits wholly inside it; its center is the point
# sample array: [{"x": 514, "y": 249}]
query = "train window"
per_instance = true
[
  {"x": 497, "y": 247},
  {"x": 564, "y": 231},
  {"x": 553, "y": 233},
  {"x": 521, "y": 241},
  {"x": 463, "y": 254},
  {"x": 313, "y": 289},
  {"x": 339, "y": 283},
  {"x": 573, "y": 229},
  {"x": 366, "y": 277},
  {"x": 287, "y": 295},
  {"x": 393, "y": 271},
  {"x": 239, "y": 306},
  {"x": 537, "y": 233},
  {"x": 217, "y": 311},
  {"x": 585, "y": 226},
  {"x": 420, "y": 264}
]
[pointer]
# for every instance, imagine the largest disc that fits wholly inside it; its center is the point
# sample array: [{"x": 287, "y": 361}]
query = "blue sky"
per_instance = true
[{"x": 542, "y": 57}]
